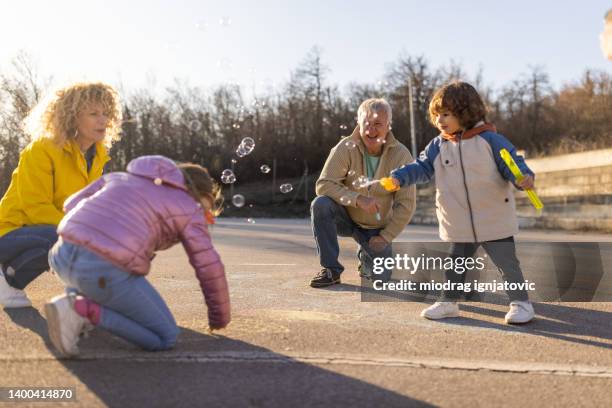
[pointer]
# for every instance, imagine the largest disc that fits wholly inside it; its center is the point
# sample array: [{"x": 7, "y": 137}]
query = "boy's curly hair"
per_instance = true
[
  {"x": 462, "y": 100},
  {"x": 200, "y": 185},
  {"x": 56, "y": 116}
]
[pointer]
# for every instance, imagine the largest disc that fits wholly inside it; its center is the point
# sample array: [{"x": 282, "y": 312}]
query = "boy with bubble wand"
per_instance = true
[{"x": 474, "y": 195}]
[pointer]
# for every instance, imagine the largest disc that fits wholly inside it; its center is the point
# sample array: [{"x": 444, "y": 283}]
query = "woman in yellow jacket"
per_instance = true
[{"x": 71, "y": 134}]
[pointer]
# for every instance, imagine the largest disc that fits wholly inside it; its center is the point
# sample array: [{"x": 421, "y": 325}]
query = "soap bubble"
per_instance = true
[
  {"x": 236, "y": 126},
  {"x": 228, "y": 179},
  {"x": 246, "y": 147},
  {"x": 363, "y": 180},
  {"x": 228, "y": 176},
  {"x": 202, "y": 25},
  {"x": 345, "y": 200},
  {"x": 248, "y": 142},
  {"x": 350, "y": 144},
  {"x": 351, "y": 172},
  {"x": 234, "y": 161},
  {"x": 285, "y": 188},
  {"x": 238, "y": 200},
  {"x": 195, "y": 125},
  {"x": 265, "y": 168},
  {"x": 360, "y": 182},
  {"x": 225, "y": 64}
]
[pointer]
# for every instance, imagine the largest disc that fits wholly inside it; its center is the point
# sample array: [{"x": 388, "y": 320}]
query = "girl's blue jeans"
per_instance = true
[{"x": 131, "y": 308}]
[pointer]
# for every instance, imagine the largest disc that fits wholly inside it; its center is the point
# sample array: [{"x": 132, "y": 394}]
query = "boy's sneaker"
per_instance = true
[
  {"x": 64, "y": 324},
  {"x": 441, "y": 310},
  {"x": 325, "y": 278},
  {"x": 520, "y": 312},
  {"x": 11, "y": 297}
]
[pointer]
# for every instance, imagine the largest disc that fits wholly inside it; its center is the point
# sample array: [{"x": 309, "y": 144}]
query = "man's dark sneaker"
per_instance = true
[{"x": 325, "y": 278}]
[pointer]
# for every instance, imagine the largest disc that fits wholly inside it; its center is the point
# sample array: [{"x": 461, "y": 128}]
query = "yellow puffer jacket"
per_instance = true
[{"x": 47, "y": 174}]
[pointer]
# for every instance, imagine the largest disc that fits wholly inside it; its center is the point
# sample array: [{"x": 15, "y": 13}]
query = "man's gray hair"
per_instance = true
[{"x": 373, "y": 105}]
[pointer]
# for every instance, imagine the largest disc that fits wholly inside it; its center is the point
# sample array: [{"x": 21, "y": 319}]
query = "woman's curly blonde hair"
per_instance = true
[{"x": 56, "y": 117}]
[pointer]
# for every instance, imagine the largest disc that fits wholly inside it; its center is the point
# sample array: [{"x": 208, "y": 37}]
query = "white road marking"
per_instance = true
[
  {"x": 336, "y": 359},
  {"x": 264, "y": 264}
]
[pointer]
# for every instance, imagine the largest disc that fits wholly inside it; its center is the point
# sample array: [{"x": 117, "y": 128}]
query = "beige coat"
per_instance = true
[
  {"x": 474, "y": 187},
  {"x": 474, "y": 203},
  {"x": 335, "y": 182}
]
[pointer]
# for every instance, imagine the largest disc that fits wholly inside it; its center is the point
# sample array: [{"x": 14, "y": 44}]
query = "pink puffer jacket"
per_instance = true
[{"x": 126, "y": 217}]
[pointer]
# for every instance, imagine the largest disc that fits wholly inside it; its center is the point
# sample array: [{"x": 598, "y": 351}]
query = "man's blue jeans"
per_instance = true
[
  {"x": 23, "y": 253},
  {"x": 331, "y": 220}
]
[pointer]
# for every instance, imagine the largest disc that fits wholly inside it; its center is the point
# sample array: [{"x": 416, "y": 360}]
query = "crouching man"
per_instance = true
[{"x": 346, "y": 206}]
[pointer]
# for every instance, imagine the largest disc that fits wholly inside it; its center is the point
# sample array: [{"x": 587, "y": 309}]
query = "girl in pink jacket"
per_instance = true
[{"x": 107, "y": 240}]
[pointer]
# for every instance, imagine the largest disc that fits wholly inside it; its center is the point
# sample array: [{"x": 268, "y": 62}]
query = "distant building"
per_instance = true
[{"x": 606, "y": 36}]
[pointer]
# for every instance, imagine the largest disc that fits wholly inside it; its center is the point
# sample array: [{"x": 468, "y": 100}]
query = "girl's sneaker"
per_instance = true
[
  {"x": 520, "y": 312},
  {"x": 441, "y": 310},
  {"x": 11, "y": 297},
  {"x": 64, "y": 324}
]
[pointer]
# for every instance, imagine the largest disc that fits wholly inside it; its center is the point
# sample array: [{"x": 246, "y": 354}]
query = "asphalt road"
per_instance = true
[{"x": 291, "y": 345}]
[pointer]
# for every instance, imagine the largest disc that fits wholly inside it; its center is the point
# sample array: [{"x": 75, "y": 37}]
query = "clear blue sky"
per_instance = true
[{"x": 262, "y": 41}]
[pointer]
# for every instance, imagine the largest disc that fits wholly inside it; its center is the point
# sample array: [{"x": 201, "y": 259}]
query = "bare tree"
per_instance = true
[{"x": 20, "y": 89}]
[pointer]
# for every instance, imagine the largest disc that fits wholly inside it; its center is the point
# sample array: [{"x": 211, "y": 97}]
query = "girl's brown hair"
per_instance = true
[
  {"x": 462, "y": 100},
  {"x": 200, "y": 185}
]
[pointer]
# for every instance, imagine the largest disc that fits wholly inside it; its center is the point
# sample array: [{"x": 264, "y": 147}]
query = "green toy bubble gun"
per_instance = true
[{"x": 533, "y": 197}]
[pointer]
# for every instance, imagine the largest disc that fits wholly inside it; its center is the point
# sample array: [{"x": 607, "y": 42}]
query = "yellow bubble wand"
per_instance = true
[
  {"x": 387, "y": 184},
  {"x": 533, "y": 197}
]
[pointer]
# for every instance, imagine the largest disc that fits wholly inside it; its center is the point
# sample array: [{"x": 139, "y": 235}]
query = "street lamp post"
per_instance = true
[{"x": 411, "y": 108}]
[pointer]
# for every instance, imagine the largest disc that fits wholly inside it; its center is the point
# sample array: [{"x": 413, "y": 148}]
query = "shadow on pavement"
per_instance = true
[
  {"x": 555, "y": 321},
  {"x": 31, "y": 319},
  {"x": 208, "y": 370},
  {"x": 561, "y": 322}
]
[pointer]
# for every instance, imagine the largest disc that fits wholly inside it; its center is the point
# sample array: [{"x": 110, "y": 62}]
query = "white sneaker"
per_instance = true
[
  {"x": 64, "y": 325},
  {"x": 11, "y": 297},
  {"x": 520, "y": 312},
  {"x": 440, "y": 310}
]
